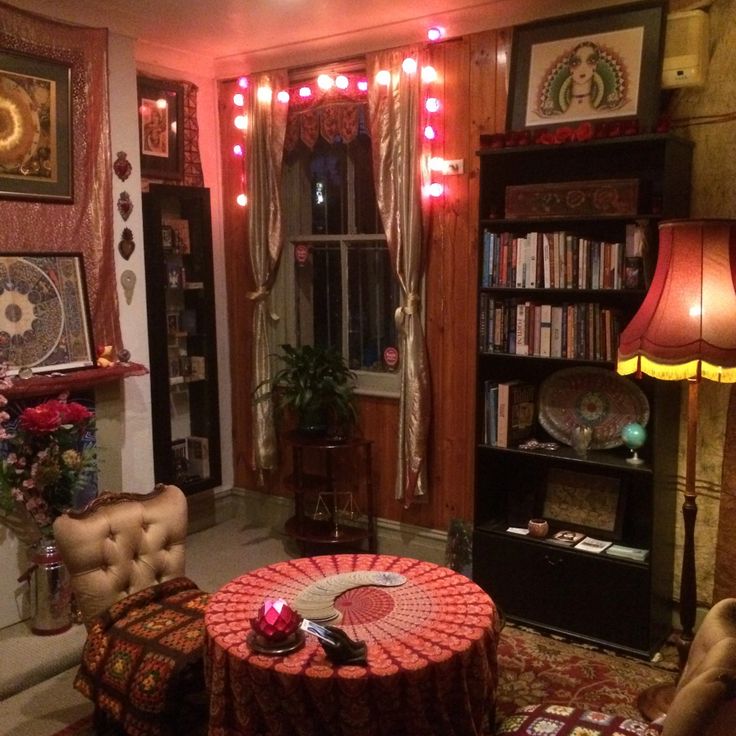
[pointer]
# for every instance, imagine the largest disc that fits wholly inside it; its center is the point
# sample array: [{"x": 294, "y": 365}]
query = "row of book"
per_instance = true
[
  {"x": 558, "y": 260},
  {"x": 579, "y": 331},
  {"x": 508, "y": 416}
]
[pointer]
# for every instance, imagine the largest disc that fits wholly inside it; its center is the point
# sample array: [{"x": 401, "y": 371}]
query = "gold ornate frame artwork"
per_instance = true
[{"x": 35, "y": 128}]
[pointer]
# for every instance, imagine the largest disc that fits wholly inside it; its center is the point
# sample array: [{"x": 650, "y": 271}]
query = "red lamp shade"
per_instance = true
[{"x": 686, "y": 325}]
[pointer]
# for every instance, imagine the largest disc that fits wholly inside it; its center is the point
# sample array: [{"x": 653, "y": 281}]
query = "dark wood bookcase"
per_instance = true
[
  {"x": 182, "y": 340},
  {"x": 619, "y": 603}
]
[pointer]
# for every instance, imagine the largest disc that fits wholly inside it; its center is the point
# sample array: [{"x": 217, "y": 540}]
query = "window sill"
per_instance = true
[{"x": 384, "y": 385}]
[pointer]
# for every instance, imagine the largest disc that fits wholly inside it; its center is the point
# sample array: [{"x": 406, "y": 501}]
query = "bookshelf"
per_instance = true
[
  {"x": 182, "y": 340},
  {"x": 556, "y": 284}
]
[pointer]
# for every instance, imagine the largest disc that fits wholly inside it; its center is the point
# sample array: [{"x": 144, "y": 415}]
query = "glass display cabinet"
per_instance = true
[{"x": 182, "y": 338}]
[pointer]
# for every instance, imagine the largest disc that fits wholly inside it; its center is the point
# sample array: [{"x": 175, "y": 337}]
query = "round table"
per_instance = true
[{"x": 431, "y": 661}]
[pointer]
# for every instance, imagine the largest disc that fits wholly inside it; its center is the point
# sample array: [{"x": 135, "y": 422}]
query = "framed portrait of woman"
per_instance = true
[{"x": 592, "y": 67}]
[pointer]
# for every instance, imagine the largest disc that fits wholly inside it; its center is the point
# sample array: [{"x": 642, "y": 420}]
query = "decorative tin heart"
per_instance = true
[
  {"x": 125, "y": 206},
  {"x": 122, "y": 167},
  {"x": 127, "y": 245}
]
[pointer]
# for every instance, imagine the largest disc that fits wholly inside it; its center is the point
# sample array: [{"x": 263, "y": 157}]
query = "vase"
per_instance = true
[
  {"x": 51, "y": 611},
  {"x": 580, "y": 438}
]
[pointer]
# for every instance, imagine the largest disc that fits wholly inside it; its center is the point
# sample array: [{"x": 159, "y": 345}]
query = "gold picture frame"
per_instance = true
[{"x": 35, "y": 128}]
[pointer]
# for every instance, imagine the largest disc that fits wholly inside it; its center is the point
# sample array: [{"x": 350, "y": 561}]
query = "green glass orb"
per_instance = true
[{"x": 634, "y": 435}]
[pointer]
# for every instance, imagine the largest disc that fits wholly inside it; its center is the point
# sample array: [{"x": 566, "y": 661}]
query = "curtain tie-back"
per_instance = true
[
  {"x": 411, "y": 306},
  {"x": 260, "y": 295}
]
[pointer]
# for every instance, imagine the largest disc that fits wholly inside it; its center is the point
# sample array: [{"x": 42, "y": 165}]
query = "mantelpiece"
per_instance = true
[{"x": 86, "y": 379}]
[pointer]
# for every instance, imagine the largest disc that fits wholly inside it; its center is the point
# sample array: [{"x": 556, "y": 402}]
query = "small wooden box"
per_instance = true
[{"x": 573, "y": 199}]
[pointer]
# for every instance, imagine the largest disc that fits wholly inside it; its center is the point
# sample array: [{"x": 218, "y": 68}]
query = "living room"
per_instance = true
[{"x": 473, "y": 66}]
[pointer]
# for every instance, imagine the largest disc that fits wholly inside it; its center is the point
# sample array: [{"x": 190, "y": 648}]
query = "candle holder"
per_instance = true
[{"x": 275, "y": 628}]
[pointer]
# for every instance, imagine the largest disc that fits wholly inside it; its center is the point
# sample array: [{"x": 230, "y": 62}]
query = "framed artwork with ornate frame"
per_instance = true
[
  {"x": 35, "y": 128},
  {"x": 597, "y": 66},
  {"x": 160, "y": 123},
  {"x": 46, "y": 325}
]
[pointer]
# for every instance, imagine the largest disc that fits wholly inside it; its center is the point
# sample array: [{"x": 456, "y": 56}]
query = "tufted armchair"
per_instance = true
[
  {"x": 142, "y": 661},
  {"x": 704, "y": 702}
]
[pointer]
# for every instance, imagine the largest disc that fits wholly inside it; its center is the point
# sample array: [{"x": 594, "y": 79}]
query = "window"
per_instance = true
[{"x": 336, "y": 282}]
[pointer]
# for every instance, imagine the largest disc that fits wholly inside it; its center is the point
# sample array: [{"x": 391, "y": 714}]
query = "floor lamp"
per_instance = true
[{"x": 685, "y": 329}]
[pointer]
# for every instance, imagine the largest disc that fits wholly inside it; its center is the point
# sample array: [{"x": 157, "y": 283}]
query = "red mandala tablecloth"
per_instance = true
[{"x": 431, "y": 663}]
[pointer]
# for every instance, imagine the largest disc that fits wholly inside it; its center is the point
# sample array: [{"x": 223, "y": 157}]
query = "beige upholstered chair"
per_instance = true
[
  {"x": 144, "y": 619},
  {"x": 704, "y": 702}
]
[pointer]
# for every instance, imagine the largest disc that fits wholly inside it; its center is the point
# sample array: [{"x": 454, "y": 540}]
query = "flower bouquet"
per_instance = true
[{"x": 43, "y": 461}]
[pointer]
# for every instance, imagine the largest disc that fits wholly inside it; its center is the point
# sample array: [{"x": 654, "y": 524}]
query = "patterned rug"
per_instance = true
[
  {"x": 545, "y": 669},
  {"x": 534, "y": 668}
]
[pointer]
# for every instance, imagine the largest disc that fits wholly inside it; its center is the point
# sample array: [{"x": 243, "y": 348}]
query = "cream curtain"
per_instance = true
[
  {"x": 395, "y": 119},
  {"x": 264, "y": 149}
]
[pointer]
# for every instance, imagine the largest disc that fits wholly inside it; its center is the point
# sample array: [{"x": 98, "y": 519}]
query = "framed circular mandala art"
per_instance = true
[{"x": 44, "y": 323}]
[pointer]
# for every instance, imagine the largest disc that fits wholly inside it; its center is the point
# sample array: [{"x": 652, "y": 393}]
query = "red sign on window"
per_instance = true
[{"x": 391, "y": 358}]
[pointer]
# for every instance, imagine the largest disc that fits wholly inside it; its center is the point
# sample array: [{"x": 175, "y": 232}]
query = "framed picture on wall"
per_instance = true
[
  {"x": 46, "y": 325},
  {"x": 161, "y": 128},
  {"x": 599, "y": 66},
  {"x": 35, "y": 128}
]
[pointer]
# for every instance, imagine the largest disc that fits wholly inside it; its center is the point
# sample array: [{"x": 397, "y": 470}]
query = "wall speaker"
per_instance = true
[{"x": 685, "y": 49}]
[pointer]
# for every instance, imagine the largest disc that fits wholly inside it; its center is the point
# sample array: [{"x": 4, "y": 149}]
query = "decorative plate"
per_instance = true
[{"x": 593, "y": 397}]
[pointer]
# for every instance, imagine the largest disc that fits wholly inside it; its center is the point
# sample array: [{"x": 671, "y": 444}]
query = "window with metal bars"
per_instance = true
[{"x": 343, "y": 291}]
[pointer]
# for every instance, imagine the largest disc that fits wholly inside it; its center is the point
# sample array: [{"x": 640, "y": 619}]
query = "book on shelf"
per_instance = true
[
  {"x": 591, "y": 544},
  {"x": 566, "y": 537},
  {"x": 628, "y": 553},
  {"x": 197, "y": 365},
  {"x": 490, "y": 417},
  {"x": 198, "y": 456},
  {"x": 515, "y": 412}
]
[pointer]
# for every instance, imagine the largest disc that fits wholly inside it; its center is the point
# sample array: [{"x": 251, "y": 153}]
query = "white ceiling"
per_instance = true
[{"x": 256, "y": 34}]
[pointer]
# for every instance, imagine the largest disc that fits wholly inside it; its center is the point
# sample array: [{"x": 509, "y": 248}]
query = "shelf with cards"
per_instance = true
[
  {"x": 553, "y": 294},
  {"x": 183, "y": 340}
]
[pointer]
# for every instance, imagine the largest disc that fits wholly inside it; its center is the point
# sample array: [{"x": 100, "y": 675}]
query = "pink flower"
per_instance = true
[
  {"x": 584, "y": 132},
  {"x": 42, "y": 419},
  {"x": 563, "y": 134},
  {"x": 74, "y": 413}
]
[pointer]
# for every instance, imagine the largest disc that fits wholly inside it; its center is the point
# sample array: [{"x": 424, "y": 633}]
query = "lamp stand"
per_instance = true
[{"x": 655, "y": 701}]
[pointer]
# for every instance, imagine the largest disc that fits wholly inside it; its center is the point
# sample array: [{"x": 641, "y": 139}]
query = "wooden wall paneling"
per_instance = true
[
  {"x": 472, "y": 87},
  {"x": 238, "y": 282},
  {"x": 450, "y": 301}
]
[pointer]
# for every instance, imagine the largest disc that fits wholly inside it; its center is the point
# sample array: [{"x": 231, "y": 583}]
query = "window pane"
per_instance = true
[
  {"x": 319, "y": 297},
  {"x": 327, "y": 169},
  {"x": 373, "y": 297}
]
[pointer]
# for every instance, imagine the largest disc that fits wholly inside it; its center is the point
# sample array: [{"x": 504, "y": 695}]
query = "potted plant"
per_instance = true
[{"x": 317, "y": 387}]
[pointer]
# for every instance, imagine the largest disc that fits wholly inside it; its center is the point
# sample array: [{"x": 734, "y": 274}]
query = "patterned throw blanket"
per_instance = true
[{"x": 142, "y": 654}]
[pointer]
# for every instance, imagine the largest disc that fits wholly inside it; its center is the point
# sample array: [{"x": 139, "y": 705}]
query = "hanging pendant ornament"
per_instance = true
[
  {"x": 122, "y": 167},
  {"x": 127, "y": 245},
  {"x": 125, "y": 206},
  {"x": 127, "y": 280}
]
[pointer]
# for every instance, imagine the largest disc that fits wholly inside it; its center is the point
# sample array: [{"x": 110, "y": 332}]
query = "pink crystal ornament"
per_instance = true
[{"x": 276, "y": 620}]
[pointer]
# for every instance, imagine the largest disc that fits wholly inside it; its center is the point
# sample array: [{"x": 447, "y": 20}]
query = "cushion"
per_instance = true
[{"x": 564, "y": 720}]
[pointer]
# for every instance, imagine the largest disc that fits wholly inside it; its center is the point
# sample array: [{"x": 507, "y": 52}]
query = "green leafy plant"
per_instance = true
[{"x": 316, "y": 385}]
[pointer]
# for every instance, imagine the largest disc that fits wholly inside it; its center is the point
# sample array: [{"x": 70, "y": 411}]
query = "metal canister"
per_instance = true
[{"x": 50, "y": 590}]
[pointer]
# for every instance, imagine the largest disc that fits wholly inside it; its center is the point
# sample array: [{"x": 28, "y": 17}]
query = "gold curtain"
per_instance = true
[
  {"x": 395, "y": 120},
  {"x": 264, "y": 150},
  {"x": 85, "y": 225}
]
